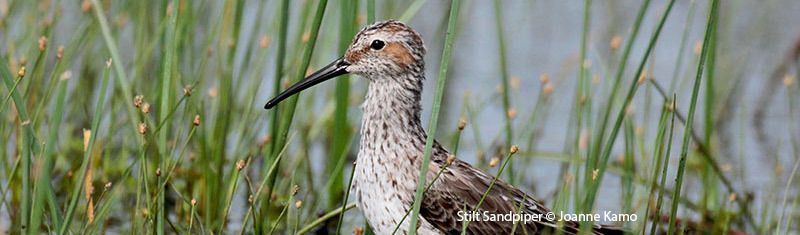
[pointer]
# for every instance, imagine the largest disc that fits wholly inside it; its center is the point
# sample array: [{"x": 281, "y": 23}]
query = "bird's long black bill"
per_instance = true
[{"x": 335, "y": 69}]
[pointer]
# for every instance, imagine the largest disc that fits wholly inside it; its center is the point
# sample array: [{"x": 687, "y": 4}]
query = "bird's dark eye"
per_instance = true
[{"x": 377, "y": 45}]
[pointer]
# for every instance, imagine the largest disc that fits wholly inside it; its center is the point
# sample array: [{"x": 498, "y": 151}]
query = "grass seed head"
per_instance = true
[
  {"x": 60, "y": 52},
  {"x": 187, "y": 91},
  {"x": 66, "y": 75},
  {"x": 266, "y": 139},
  {"x": 595, "y": 172},
  {"x": 616, "y": 41},
  {"x": 158, "y": 171},
  {"x": 583, "y": 139},
  {"x": 142, "y": 128},
  {"x": 42, "y": 43},
  {"x": 698, "y": 47},
  {"x": 788, "y": 80},
  {"x": 462, "y": 122},
  {"x": 514, "y": 149},
  {"x": 515, "y": 82},
  {"x": 213, "y": 92},
  {"x": 450, "y": 159},
  {"x": 240, "y": 165},
  {"x": 194, "y": 201},
  {"x": 137, "y": 101},
  {"x": 544, "y": 78},
  {"x": 642, "y": 78},
  {"x": 548, "y": 88},
  {"x": 298, "y": 204},
  {"x": 21, "y": 72},
  {"x": 146, "y": 107},
  {"x": 672, "y": 106},
  {"x": 263, "y": 42},
  {"x": 196, "y": 121},
  {"x": 86, "y": 6},
  {"x": 295, "y": 189},
  {"x": 493, "y": 162},
  {"x": 512, "y": 113},
  {"x": 87, "y": 135}
]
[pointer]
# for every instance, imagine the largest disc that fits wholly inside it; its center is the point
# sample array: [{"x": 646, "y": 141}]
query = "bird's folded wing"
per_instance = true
[{"x": 460, "y": 188}]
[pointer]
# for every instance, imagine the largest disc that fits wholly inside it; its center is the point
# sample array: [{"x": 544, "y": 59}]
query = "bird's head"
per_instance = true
[{"x": 383, "y": 50}]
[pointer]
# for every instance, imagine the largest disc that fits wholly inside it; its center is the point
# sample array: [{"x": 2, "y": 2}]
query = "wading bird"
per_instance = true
[{"x": 390, "y": 55}]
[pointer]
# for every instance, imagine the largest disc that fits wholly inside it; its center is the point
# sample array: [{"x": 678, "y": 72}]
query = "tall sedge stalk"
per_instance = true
[
  {"x": 594, "y": 149},
  {"x": 506, "y": 162},
  {"x": 167, "y": 76},
  {"x": 449, "y": 161},
  {"x": 340, "y": 134},
  {"x": 434, "y": 120},
  {"x": 498, "y": 14},
  {"x": 283, "y": 16},
  {"x": 595, "y": 178},
  {"x": 597, "y": 141},
  {"x": 121, "y": 79},
  {"x": 291, "y": 103},
  {"x": 412, "y": 10},
  {"x": 76, "y": 191},
  {"x": 597, "y": 173},
  {"x": 28, "y": 142},
  {"x": 663, "y": 180},
  {"x": 657, "y": 158},
  {"x": 712, "y": 20},
  {"x": 582, "y": 106},
  {"x": 370, "y": 11}
]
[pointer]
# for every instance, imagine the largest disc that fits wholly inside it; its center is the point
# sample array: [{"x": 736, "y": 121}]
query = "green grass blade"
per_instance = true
[
  {"x": 340, "y": 131},
  {"x": 28, "y": 144},
  {"x": 290, "y": 104},
  {"x": 508, "y": 130},
  {"x": 690, "y": 119},
  {"x": 434, "y": 120},
  {"x": 78, "y": 187},
  {"x": 594, "y": 183}
]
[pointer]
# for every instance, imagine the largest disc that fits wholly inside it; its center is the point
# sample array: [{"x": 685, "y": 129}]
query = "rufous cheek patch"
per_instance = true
[{"x": 399, "y": 54}]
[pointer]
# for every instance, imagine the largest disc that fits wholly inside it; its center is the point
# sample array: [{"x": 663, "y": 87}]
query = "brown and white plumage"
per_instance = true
[{"x": 390, "y": 55}]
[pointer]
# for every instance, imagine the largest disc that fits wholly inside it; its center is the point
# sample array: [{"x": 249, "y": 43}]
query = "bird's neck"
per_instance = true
[{"x": 392, "y": 107}]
